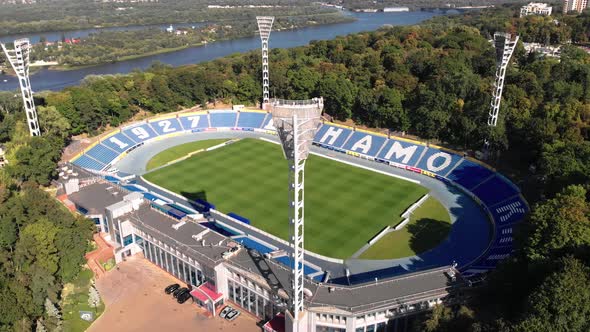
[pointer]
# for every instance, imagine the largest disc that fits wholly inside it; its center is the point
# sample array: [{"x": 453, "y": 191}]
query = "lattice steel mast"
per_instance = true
[
  {"x": 297, "y": 123},
  {"x": 504, "y": 48},
  {"x": 19, "y": 60},
  {"x": 265, "y": 26}
]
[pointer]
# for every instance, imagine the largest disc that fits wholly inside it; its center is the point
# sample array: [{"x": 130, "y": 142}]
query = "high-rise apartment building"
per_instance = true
[{"x": 574, "y": 5}]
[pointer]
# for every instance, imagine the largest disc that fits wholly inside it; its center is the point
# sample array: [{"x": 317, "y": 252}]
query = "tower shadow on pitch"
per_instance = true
[{"x": 201, "y": 194}]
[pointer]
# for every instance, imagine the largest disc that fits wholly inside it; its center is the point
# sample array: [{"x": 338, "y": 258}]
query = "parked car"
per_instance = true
[
  {"x": 171, "y": 288},
  {"x": 225, "y": 311},
  {"x": 232, "y": 315},
  {"x": 179, "y": 291},
  {"x": 183, "y": 297}
]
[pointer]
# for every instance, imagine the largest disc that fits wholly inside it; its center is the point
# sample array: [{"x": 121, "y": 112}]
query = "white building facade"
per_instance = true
[{"x": 536, "y": 8}]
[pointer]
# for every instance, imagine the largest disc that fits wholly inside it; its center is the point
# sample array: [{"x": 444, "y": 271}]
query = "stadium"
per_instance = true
[{"x": 394, "y": 226}]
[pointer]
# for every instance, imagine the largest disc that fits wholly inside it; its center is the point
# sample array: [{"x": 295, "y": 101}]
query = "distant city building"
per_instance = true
[
  {"x": 17, "y": 2},
  {"x": 536, "y": 8},
  {"x": 544, "y": 50},
  {"x": 396, "y": 9},
  {"x": 574, "y": 5}
]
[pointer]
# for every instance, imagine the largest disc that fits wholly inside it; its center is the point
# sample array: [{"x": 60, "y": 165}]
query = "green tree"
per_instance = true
[
  {"x": 35, "y": 161},
  {"x": 562, "y": 301},
  {"x": 560, "y": 223},
  {"x": 338, "y": 93},
  {"x": 390, "y": 110},
  {"x": 52, "y": 122}
]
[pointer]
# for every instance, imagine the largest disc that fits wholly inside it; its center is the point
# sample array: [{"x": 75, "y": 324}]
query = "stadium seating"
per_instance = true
[
  {"x": 223, "y": 119},
  {"x": 332, "y": 136},
  {"x": 509, "y": 212},
  {"x": 286, "y": 260},
  {"x": 86, "y": 162},
  {"x": 493, "y": 257},
  {"x": 166, "y": 126},
  {"x": 118, "y": 142},
  {"x": 112, "y": 179},
  {"x": 140, "y": 133},
  {"x": 504, "y": 236},
  {"x": 469, "y": 174},
  {"x": 364, "y": 143},
  {"x": 102, "y": 153},
  {"x": 401, "y": 152},
  {"x": 268, "y": 123},
  {"x": 494, "y": 190},
  {"x": 437, "y": 161},
  {"x": 132, "y": 188},
  {"x": 250, "y": 120},
  {"x": 217, "y": 228},
  {"x": 249, "y": 243},
  {"x": 194, "y": 121}
]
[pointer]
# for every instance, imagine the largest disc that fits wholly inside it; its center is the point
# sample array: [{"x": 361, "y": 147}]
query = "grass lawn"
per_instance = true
[
  {"x": 180, "y": 151},
  {"x": 345, "y": 205},
  {"x": 75, "y": 298},
  {"x": 429, "y": 225}
]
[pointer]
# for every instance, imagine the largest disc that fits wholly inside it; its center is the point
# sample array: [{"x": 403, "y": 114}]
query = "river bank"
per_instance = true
[
  {"x": 47, "y": 79},
  {"x": 139, "y": 44}
]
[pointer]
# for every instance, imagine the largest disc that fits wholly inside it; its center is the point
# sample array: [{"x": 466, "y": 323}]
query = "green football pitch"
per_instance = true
[{"x": 345, "y": 206}]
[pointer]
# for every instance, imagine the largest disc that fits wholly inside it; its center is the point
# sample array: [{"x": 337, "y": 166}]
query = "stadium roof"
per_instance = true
[
  {"x": 97, "y": 196},
  {"x": 159, "y": 226},
  {"x": 407, "y": 289}
]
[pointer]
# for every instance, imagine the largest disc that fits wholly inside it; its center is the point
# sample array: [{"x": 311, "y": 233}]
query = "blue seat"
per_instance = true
[
  {"x": 218, "y": 228},
  {"x": 102, "y": 154},
  {"x": 470, "y": 174},
  {"x": 437, "y": 161},
  {"x": 494, "y": 190},
  {"x": 223, "y": 119},
  {"x": 166, "y": 126},
  {"x": 140, "y": 133},
  {"x": 249, "y": 243},
  {"x": 89, "y": 163},
  {"x": 250, "y": 120},
  {"x": 112, "y": 179},
  {"x": 509, "y": 212},
  {"x": 319, "y": 277},
  {"x": 402, "y": 152},
  {"x": 286, "y": 260},
  {"x": 504, "y": 236},
  {"x": 195, "y": 121},
  {"x": 118, "y": 142},
  {"x": 493, "y": 257},
  {"x": 332, "y": 135},
  {"x": 367, "y": 144},
  {"x": 132, "y": 188}
]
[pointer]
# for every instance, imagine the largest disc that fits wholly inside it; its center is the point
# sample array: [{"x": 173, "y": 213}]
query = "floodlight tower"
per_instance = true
[
  {"x": 505, "y": 45},
  {"x": 264, "y": 27},
  {"x": 19, "y": 60},
  {"x": 297, "y": 122}
]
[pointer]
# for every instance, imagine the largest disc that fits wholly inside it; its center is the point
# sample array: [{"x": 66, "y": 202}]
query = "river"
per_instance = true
[
  {"x": 46, "y": 79},
  {"x": 53, "y": 36}
]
